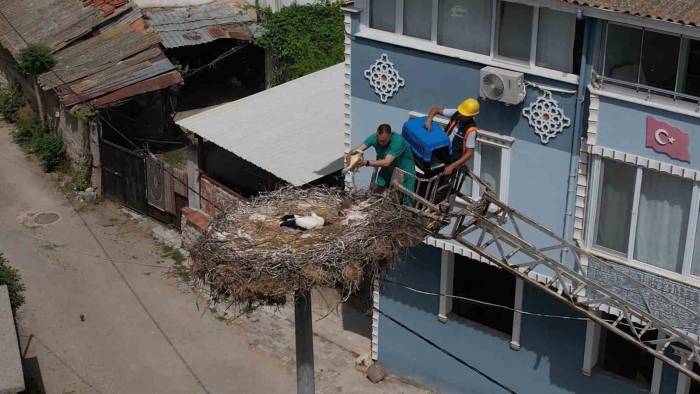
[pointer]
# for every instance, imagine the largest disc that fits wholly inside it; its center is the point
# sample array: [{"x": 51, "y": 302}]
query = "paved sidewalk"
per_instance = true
[{"x": 102, "y": 315}]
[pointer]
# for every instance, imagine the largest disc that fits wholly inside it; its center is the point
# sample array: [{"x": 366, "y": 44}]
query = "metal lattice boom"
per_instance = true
[{"x": 513, "y": 241}]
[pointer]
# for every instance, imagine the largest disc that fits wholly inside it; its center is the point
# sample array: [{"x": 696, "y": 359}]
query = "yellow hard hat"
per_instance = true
[{"x": 469, "y": 107}]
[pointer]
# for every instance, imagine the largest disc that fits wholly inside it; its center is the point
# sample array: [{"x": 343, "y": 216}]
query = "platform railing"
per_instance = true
[{"x": 513, "y": 241}]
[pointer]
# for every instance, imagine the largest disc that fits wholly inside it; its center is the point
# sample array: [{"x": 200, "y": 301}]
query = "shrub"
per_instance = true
[
  {"x": 49, "y": 150},
  {"x": 79, "y": 183},
  {"x": 11, "y": 278},
  {"x": 35, "y": 59},
  {"x": 29, "y": 127},
  {"x": 11, "y": 99},
  {"x": 303, "y": 38}
]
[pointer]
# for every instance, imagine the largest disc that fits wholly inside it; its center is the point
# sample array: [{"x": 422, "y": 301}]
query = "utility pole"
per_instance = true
[{"x": 303, "y": 331}]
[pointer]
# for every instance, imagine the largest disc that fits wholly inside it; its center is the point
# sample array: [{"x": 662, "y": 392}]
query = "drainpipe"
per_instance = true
[{"x": 584, "y": 80}]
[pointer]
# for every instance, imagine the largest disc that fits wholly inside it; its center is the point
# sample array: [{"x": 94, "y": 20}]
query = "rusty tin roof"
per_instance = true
[
  {"x": 103, "y": 53},
  {"x": 194, "y": 25}
]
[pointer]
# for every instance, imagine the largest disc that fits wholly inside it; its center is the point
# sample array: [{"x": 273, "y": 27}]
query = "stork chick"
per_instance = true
[{"x": 309, "y": 222}]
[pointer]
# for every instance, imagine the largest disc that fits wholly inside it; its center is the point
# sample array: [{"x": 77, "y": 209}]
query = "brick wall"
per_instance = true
[
  {"x": 214, "y": 194},
  {"x": 194, "y": 222}
]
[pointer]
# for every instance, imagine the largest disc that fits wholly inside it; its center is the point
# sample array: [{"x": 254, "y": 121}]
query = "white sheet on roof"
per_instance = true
[{"x": 294, "y": 130}]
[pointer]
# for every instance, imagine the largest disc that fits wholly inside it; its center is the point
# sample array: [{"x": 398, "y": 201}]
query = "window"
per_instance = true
[
  {"x": 515, "y": 31},
  {"x": 383, "y": 15},
  {"x": 634, "y": 206},
  {"x": 619, "y": 356},
  {"x": 664, "y": 205},
  {"x": 491, "y": 166},
  {"x": 491, "y": 163},
  {"x": 465, "y": 24},
  {"x": 476, "y": 280},
  {"x": 557, "y": 34},
  {"x": 615, "y": 206},
  {"x": 695, "y": 386},
  {"x": 538, "y": 37},
  {"x": 667, "y": 62},
  {"x": 416, "y": 18}
]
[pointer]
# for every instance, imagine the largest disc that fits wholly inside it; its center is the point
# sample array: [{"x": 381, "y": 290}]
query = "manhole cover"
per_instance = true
[{"x": 46, "y": 218}]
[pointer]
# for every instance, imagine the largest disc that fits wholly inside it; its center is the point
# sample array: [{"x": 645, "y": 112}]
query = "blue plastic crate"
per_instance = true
[{"x": 424, "y": 143}]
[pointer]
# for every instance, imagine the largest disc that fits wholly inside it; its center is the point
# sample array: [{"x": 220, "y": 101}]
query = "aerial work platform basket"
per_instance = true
[{"x": 502, "y": 236}]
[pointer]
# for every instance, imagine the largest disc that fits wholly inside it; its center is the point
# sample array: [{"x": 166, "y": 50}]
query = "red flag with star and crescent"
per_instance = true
[{"x": 666, "y": 139}]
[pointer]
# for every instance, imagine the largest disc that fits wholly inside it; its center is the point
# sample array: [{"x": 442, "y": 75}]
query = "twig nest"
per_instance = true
[{"x": 245, "y": 257}]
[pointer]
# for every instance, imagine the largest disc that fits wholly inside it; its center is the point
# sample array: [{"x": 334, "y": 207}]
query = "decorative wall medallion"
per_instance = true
[
  {"x": 546, "y": 117},
  {"x": 384, "y": 78}
]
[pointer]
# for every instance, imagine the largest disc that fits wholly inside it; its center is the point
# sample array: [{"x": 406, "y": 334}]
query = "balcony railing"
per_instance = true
[{"x": 599, "y": 81}]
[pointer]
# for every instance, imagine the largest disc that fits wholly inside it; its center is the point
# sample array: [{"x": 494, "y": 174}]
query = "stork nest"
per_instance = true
[{"x": 245, "y": 257}]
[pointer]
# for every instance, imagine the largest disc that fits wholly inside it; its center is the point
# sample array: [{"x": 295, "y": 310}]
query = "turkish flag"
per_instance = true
[{"x": 669, "y": 140}]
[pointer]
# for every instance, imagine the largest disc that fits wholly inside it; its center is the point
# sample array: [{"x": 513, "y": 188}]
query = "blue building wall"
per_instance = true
[
  {"x": 549, "y": 361},
  {"x": 622, "y": 126},
  {"x": 538, "y": 172}
]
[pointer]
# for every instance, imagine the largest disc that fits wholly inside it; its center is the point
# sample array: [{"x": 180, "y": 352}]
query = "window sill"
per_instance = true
[
  {"x": 431, "y": 47},
  {"x": 641, "y": 98},
  {"x": 648, "y": 268}
]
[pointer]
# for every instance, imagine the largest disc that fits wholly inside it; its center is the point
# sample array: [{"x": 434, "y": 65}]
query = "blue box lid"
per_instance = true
[{"x": 424, "y": 143}]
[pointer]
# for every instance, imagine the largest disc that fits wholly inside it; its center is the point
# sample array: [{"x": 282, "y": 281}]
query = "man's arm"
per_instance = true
[
  {"x": 468, "y": 153},
  {"x": 385, "y": 162},
  {"x": 433, "y": 111}
]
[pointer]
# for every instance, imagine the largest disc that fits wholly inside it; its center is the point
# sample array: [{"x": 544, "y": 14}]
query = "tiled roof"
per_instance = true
[
  {"x": 685, "y": 12},
  {"x": 182, "y": 26},
  {"x": 103, "y": 53}
]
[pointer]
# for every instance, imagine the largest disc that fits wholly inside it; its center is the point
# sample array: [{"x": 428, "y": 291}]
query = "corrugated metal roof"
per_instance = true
[
  {"x": 686, "y": 12},
  {"x": 182, "y": 26},
  {"x": 293, "y": 131},
  {"x": 118, "y": 59}
]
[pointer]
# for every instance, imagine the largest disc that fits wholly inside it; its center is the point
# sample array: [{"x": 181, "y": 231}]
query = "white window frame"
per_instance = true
[
  {"x": 447, "y": 272},
  {"x": 591, "y": 356},
  {"x": 595, "y": 191},
  {"x": 681, "y": 65},
  {"x": 492, "y": 59}
]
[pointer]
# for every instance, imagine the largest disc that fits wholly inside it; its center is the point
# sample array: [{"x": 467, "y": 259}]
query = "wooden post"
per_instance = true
[{"x": 303, "y": 330}]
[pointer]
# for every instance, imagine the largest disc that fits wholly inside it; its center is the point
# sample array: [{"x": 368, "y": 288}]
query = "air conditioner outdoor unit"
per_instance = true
[{"x": 502, "y": 85}]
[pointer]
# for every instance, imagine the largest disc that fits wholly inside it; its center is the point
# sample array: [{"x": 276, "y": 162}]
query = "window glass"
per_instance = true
[
  {"x": 383, "y": 15},
  {"x": 491, "y": 166},
  {"x": 615, "y": 206},
  {"x": 695, "y": 268},
  {"x": 619, "y": 356},
  {"x": 695, "y": 386},
  {"x": 556, "y": 35},
  {"x": 515, "y": 31},
  {"x": 417, "y": 18},
  {"x": 692, "y": 76},
  {"x": 465, "y": 24},
  {"x": 468, "y": 183},
  {"x": 660, "y": 60},
  {"x": 664, "y": 207},
  {"x": 623, "y": 48},
  {"x": 476, "y": 280}
]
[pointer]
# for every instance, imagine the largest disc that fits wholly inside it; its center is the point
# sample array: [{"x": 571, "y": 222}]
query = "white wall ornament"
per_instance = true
[
  {"x": 546, "y": 117},
  {"x": 384, "y": 78}
]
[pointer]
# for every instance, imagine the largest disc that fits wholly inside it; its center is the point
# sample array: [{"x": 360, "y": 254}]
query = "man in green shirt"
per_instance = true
[{"x": 392, "y": 151}]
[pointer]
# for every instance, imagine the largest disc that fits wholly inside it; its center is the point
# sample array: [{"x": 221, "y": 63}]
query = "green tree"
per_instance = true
[
  {"x": 34, "y": 60},
  {"x": 303, "y": 38}
]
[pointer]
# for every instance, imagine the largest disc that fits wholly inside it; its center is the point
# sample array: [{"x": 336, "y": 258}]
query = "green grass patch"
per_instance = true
[
  {"x": 11, "y": 278},
  {"x": 176, "y": 158}
]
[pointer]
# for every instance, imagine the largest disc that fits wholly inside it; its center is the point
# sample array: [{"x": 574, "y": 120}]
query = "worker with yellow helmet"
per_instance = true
[{"x": 464, "y": 127}]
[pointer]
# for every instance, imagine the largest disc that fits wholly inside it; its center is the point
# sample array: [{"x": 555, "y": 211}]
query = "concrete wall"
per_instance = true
[
  {"x": 622, "y": 126},
  {"x": 549, "y": 361}
]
